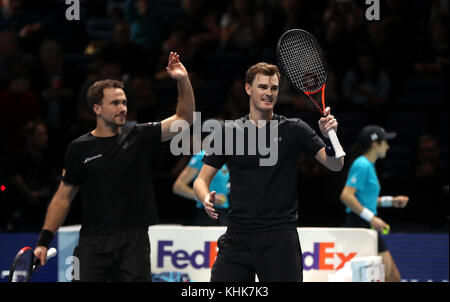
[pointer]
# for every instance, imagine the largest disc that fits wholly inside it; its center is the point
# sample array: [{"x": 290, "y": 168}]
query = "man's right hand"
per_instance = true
[
  {"x": 208, "y": 203},
  {"x": 41, "y": 253}
]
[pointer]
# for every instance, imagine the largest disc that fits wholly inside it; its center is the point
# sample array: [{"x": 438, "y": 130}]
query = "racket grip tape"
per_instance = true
[{"x": 339, "y": 152}]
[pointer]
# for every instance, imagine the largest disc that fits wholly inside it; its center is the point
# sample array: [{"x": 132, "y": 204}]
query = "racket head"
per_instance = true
[
  {"x": 22, "y": 266},
  {"x": 302, "y": 60}
]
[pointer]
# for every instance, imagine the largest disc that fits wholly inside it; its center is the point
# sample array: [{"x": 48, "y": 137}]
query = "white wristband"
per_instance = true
[
  {"x": 386, "y": 201},
  {"x": 366, "y": 214}
]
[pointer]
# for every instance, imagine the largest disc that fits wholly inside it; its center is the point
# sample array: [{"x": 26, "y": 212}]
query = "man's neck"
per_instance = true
[
  {"x": 103, "y": 130},
  {"x": 256, "y": 116}
]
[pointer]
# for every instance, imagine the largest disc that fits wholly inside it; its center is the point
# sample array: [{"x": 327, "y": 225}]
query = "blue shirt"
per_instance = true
[
  {"x": 220, "y": 182},
  {"x": 363, "y": 177}
]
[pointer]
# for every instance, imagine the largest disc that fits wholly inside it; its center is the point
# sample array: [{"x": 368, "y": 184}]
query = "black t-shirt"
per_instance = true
[
  {"x": 114, "y": 178},
  {"x": 264, "y": 197}
]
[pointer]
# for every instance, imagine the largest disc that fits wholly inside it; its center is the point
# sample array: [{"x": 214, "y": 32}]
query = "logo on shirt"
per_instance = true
[
  {"x": 88, "y": 159},
  {"x": 353, "y": 180}
]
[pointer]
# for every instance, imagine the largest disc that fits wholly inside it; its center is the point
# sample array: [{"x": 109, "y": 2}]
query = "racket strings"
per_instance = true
[
  {"x": 22, "y": 267},
  {"x": 303, "y": 61}
]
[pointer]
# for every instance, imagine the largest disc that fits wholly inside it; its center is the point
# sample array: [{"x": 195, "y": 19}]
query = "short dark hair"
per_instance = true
[
  {"x": 95, "y": 92},
  {"x": 263, "y": 68}
]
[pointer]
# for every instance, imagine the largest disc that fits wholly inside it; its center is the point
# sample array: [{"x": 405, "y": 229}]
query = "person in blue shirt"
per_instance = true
[
  {"x": 361, "y": 193},
  {"x": 219, "y": 184}
]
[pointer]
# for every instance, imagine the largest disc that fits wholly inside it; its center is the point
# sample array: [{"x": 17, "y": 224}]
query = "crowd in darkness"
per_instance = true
[{"x": 392, "y": 72}]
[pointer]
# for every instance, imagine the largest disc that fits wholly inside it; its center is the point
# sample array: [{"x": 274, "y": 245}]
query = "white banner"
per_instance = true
[{"x": 193, "y": 250}]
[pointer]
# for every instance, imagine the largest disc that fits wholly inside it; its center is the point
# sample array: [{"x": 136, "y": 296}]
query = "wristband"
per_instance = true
[
  {"x": 45, "y": 238},
  {"x": 386, "y": 201},
  {"x": 329, "y": 150},
  {"x": 366, "y": 214}
]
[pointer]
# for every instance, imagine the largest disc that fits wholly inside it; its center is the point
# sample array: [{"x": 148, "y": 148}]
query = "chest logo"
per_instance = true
[{"x": 88, "y": 159}]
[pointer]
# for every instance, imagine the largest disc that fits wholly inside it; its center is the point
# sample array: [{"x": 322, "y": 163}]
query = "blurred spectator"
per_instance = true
[
  {"x": 13, "y": 16},
  {"x": 53, "y": 80},
  {"x": 400, "y": 28},
  {"x": 124, "y": 51},
  {"x": 141, "y": 94},
  {"x": 427, "y": 157},
  {"x": 196, "y": 30},
  {"x": 19, "y": 104},
  {"x": 351, "y": 14},
  {"x": 201, "y": 23},
  {"x": 32, "y": 179},
  {"x": 376, "y": 40},
  {"x": 11, "y": 55},
  {"x": 366, "y": 85},
  {"x": 237, "y": 100},
  {"x": 288, "y": 14},
  {"x": 433, "y": 53},
  {"x": 144, "y": 19},
  {"x": 178, "y": 41},
  {"x": 241, "y": 27},
  {"x": 439, "y": 9},
  {"x": 337, "y": 47},
  {"x": 28, "y": 25}
]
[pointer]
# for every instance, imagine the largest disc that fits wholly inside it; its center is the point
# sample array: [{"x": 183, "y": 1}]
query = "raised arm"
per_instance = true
[
  {"x": 186, "y": 101},
  {"x": 326, "y": 158}
]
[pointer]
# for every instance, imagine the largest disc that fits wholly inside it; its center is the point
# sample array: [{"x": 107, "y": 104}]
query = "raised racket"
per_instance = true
[
  {"x": 25, "y": 264},
  {"x": 303, "y": 62}
]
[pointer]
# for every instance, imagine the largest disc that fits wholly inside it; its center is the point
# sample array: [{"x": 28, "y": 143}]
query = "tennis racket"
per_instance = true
[
  {"x": 25, "y": 264},
  {"x": 302, "y": 61}
]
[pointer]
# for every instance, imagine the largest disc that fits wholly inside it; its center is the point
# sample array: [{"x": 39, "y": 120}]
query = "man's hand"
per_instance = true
[
  {"x": 41, "y": 253},
  {"x": 327, "y": 122},
  {"x": 208, "y": 203},
  {"x": 174, "y": 68}
]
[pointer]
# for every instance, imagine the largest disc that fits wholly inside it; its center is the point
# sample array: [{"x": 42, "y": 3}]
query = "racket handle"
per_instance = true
[
  {"x": 51, "y": 253},
  {"x": 339, "y": 152}
]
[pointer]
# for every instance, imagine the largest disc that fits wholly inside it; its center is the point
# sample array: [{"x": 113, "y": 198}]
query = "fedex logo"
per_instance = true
[
  {"x": 321, "y": 253},
  {"x": 180, "y": 258}
]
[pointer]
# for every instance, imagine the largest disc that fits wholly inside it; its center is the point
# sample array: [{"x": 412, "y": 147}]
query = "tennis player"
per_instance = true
[
  {"x": 261, "y": 237},
  {"x": 362, "y": 189},
  {"x": 111, "y": 168}
]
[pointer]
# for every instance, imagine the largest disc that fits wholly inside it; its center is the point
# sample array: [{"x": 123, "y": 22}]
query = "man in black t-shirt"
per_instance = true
[
  {"x": 111, "y": 168},
  {"x": 261, "y": 238}
]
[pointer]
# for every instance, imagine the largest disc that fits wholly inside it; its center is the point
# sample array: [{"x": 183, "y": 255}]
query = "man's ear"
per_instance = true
[
  {"x": 247, "y": 88},
  {"x": 97, "y": 109}
]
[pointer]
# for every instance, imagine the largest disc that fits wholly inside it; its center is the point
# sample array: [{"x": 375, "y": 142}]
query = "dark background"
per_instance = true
[{"x": 392, "y": 72}]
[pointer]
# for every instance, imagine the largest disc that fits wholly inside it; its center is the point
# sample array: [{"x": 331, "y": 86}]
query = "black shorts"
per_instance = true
[
  {"x": 274, "y": 256},
  {"x": 353, "y": 220},
  {"x": 118, "y": 257}
]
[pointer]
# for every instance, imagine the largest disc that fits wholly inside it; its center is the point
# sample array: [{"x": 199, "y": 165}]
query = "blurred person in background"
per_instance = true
[
  {"x": 33, "y": 179},
  {"x": 361, "y": 195}
]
